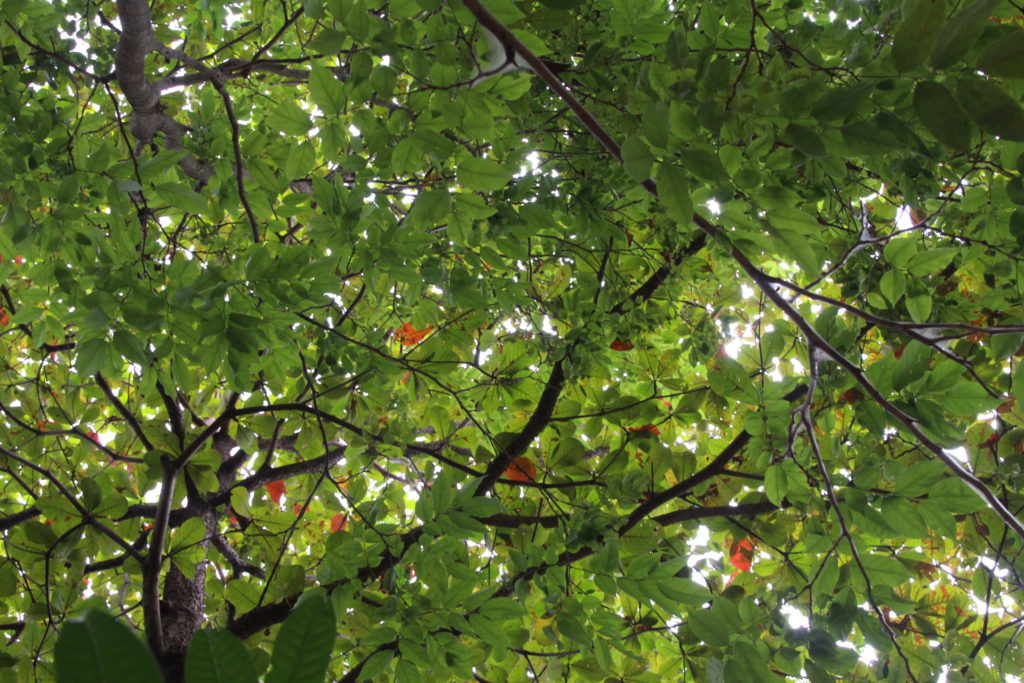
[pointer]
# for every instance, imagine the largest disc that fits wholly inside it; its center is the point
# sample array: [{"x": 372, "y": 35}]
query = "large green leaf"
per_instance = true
[
  {"x": 475, "y": 173},
  {"x": 991, "y": 107},
  {"x": 1004, "y": 57},
  {"x": 916, "y": 33},
  {"x": 637, "y": 158},
  {"x": 302, "y": 648},
  {"x": 216, "y": 656},
  {"x": 960, "y": 33},
  {"x": 326, "y": 90},
  {"x": 96, "y": 648},
  {"x": 942, "y": 115}
]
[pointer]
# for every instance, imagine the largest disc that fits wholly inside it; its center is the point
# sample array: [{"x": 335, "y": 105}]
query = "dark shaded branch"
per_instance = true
[{"x": 17, "y": 518}]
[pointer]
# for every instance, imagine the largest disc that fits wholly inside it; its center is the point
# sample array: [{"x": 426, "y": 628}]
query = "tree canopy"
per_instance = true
[{"x": 507, "y": 340}]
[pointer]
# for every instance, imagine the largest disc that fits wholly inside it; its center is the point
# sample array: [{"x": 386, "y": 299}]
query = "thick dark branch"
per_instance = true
[
  {"x": 534, "y": 426},
  {"x": 238, "y": 564},
  {"x": 712, "y": 469},
  {"x": 17, "y": 518},
  {"x": 264, "y": 616},
  {"x": 148, "y": 117}
]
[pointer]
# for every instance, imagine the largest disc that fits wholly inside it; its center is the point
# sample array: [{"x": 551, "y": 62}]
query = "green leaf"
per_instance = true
[
  {"x": 776, "y": 482},
  {"x": 289, "y": 118},
  {"x": 488, "y": 630},
  {"x": 674, "y": 193},
  {"x": 730, "y": 380},
  {"x": 942, "y": 115},
  {"x": 1004, "y": 57},
  {"x": 931, "y": 261},
  {"x": 92, "y": 356},
  {"x": 326, "y": 90},
  {"x": 919, "y": 478},
  {"x": 838, "y": 103},
  {"x": 954, "y": 496},
  {"x": 562, "y": 4},
  {"x": 479, "y": 174},
  {"x": 960, "y": 33},
  {"x": 98, "y": 648},
  {"x": 920, "y": 307},
  {"x": 181, "y": 197},
  {"x": 916, "y": 33},
  {"x": 805, "y": 140},
  {"x": 991, "y": 107},
  {"x": 884, "y": 570},
  {"x": 302, "y": 649},
  {"x": 704, "y": 164},
  {"x": 969, "y": 399},
  {"x": 637, "y": 158},
  {"x": 902, "y": 515},
  {"x": 216, "y": 656}
]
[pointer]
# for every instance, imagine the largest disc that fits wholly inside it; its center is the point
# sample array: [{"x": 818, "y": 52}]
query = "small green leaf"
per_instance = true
[
  {"x": 920, "y": 307},
  {"x": 479, "y": 174},
  {"x": 92, "y": 355},
  {"x": 954, "y": 496},
  {"x": 892, "y": 285},
  {"x": 884, "y": 570},
  {"x": 931, "y": 261},
  {"x": 969, "y": 399},
  {"x": 992, "y": 108},
  {"x": 216, "y": 656},
  {"x": 302, "y": 649},
  {"x": 919, "y": 478},
  {"x": 289, "y": 118},
  {"x": 181, "y": 197},
  {"x": 942, "y": 115},
  {"x": 704, "y": 164},
  {"x": 1004, "y": 57},
  {"x": 98, "y": 648},
  {"x": 637, "y": 158},
  {"x": 488, "y": 630},
  {"x": 776, "y": 482},
  {"x": 326, "y": 90},
  {"x": 838, "y": 103},
  {"x": 805, "y": 140},
  {"x": 960, "y": 33},
  {"x": 674, "y": 193},
  {"x": 902, "y": 515}
]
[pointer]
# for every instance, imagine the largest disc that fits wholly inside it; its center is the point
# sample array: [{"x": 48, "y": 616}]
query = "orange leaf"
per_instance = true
[
  {"x": 619, "y": 345},
  {"x": 741, "y": 553},
  {"x": 275, "y": 489},
  {"x": 4, "y": 318},
  {"x": 646, "y": 428},
  {"x": 407, "y": 335},
  {"x": 339, "y": 522},
  {"x": 521, "y": 469}
]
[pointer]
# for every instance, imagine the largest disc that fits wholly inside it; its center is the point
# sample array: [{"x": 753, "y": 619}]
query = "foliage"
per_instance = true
[{"x": 323, "y": 309}]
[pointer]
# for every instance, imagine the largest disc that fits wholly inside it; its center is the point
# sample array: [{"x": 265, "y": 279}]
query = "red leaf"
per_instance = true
[
  {"x": 339, "y": 522},
  {"x": 619, "y": 345},
  {"x": 407, "y": 335},
  {"x": 521, "y": 469},
  {"x": 275, "y": 489},
  {"x": 741, "y": 553}
]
